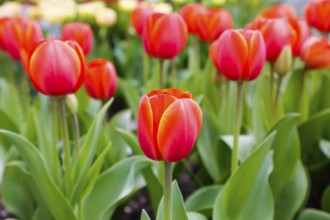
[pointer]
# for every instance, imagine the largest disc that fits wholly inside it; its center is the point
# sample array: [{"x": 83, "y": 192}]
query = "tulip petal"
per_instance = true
[
  {"x": 178, "y": 129},
  {"x": 257, "y": 56},
  {"x": 145, "y": 129},
  {"x": 172, "y": 91}
]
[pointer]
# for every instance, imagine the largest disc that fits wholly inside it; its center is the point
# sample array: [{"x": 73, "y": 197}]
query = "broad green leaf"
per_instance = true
[
  {"x": 113, "y": 185},
  {"x": 52, "y": 196},
  {"x": 178, "y": 209},
  {"x": 246, "y": 145},
  {"x": 131, "y": 140},
  {"x": 15, "y": 191},
  {"x": 86, "y": 154},
  {"x": 293, "y": 195},
  {"x": 313, "y": 214},
  {"x": 202, "y": 200},
  {"x": 195, "y": 216},
  {"x": 144, "y": 215},
  {"x": 130, "y": 94},
  {"x": 320, "y": 99},
  {"x": 286, "y": 148},
  {"x": 247, "y": 194},
  {"x": 326, "y": 199},
  {"x": 7, "y": 123},
  {"x": 325, "y": 147},
  {"x": 155, "y": 188},
  {"x": 40, "y": 214}
]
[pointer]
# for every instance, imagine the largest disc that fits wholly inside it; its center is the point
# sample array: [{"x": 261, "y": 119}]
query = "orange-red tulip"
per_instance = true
[
  {"x": 211, "y": 22},
  {"x": 239, "y": 54},
  {"x": 81, "y": 33},
  {"x": 279, "y": 11},
  {"x": 100, "y": 79},
  {"x": 316, "y": 53},
  {"x": 139, "y": 16},
  {"x": 301, "y": 30},
  {"x": 168, "y": 124},
  {"x": 189, "y": 13},
  {"x": 164, "y": 35},
  {"x": 317, "y": 14},
  {"x": 56, "y": 68}
]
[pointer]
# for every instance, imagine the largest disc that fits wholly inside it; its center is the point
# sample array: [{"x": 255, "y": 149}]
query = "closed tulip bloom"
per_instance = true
[
  {"x": 211, "y": 22},
  {"x": 168, "y": 124},
  {"x": 189, "y": 12},
  {"x": 316, "y": 53},
  {"x": 279, "y": 11},
  {"x": 301, "y": 29},
  {"x": 139, "y": 16},
  {"x": 81, "y": 33},
  {"x": 241, "y": 54},
  {"x": 101, "y": 79},
  {"x": 56, "y": 68},
  {"x": 317, "y": 13},
  {"x": 213, "y": 51},
  {"x": 277, "y": 34},
  {"x": 164, "y": 35}
]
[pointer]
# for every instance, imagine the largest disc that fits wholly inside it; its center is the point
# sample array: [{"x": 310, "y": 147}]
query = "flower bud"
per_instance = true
[
  {"x": 72, "y": 103},
  {"x": 127, "y": 5},
  {"x": 283, "y": 63},
  {"x": 105, "y": 17}
]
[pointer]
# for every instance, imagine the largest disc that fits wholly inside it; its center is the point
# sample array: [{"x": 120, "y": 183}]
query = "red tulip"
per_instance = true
[
  {"x": 279, "y": 11},
  {"x": 301, "y": 30},
  {"x": 277, "y": 34},
  {"x": 100, "y": 79},
  {"x": 56, "y": 68},
  {"x": 240, "y": 54},
  {"x": 211, "y": 22},
  {"x": 316, "y": 53},
  {"x": 189, "y": 13},
  {"x": 139, "y": 16},
  {"x": 168, "y": 124},
  {"x": 317, "y": 14},
  {"x": 81, "y": 33},
  {"x": 164, "y": 35}
]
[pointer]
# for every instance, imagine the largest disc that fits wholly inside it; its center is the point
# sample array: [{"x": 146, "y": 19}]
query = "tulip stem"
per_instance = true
[
  {"x": 304, "y": 98},
  {"x": 168, "y": 191},
  {"x": 234, "y": 155},
  {"x": 76, "y": 133},
  {"x": 66, "y": 144},
  {"x": 161, "y": 77},
  {"x": 54, "y": 139},
  {"x": 277, "y": 97},
  {"x": 271, "y": 87},
  {"x": 145, "y": 67}
]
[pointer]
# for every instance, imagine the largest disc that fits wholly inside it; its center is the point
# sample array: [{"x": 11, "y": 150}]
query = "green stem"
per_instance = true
[
  {"x": 76, "y": 134},
  {"x": 277, "y": 98},
  {"x": 146, "y": 63},
  {"x": 168, "y": 191},
  {"x": 271, "y": 87},
  {"x": 304, "y": 98},
  {"x": 161, "y": 77},
  {"x": 55, "y": 163},
  {"x": 234, "y": 156},
  {"x": 66, "y": 144},
  {"x": 227, "y": 104},
  {"x": 173, "y": 73}
]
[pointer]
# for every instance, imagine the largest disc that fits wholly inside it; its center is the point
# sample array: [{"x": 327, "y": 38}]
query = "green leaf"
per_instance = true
[
  {"x": 87, "y": 152},
  {"x": 144, "y": 215},
  {"x": 293, "y": 195},
  {"x": 131, "y": 140},
  {"x": 195, "y": 216},
  {"x": 155, "y": 188},
  {"x": 286, "y": 148},
  {"x": 325, "y": 147},
  {"x": 178, "y": 209},
  {"x": 52, "y": 196},
  {"x": 130, "y": 94},
  {"x": 113, "y": 185},
  {"x": 313, "y": 214},
  {"x": 202, "y": 200},
  {"x": 247, "y": 194},
  {"x": 326, "y": 200}
]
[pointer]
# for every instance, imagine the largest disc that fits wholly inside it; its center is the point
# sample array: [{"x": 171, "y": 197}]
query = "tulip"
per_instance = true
[
  {"x": 100, "y": 79},
  {"x": 316, "y": 53},
  {"x": 168, "y": 124},
  {"x": 163, "y": 7},
  {"x": 81, "y": 33},
  {"x": 87, "y": 11},
  {"x": 317, "y": 14},
  {"x": 57, "y": 12},
  {"x": 211, "y": 22},
  {"x": 283, "y": 64},
  {"x": 279, "y": 11},
  {"x": 127, "y": 5},
  {"x": 139, "y": 16},
  {"x": 105, "y": 17},
  {"x": 240, "y": 54},
  {"x": 189, "y": 12},
  {"x": 10, "y": 9},
  {"x": 56, "y": 68},
  {"x": 301, "y": 29},
  {"x": 164, "y": 35}
]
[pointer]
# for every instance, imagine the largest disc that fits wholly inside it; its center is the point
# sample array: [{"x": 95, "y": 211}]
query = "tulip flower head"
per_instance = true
[
  {"x": 189, "y": 13},
  {"x": 316, "y": 53},
  {"x": 301, "y": 33},
  {"x": 168, "y": 124},
  {"x": 139, "y": 16},
  {"x": 317, "y": 14},
  {"x": 56, "y": 68},
  {"x": 164, "y": 35},
  {"x": 81, "y": 33},
  {"x": 101, "y": 79},
  {"x": 279, "y": 11},
  {"x": 239, "y": 54}
]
